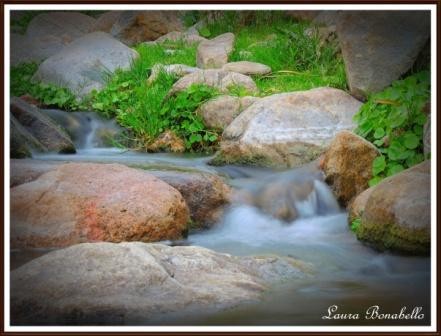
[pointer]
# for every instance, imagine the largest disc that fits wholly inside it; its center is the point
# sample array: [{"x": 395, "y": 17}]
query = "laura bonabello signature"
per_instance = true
[{"x": 375, "y": 313}]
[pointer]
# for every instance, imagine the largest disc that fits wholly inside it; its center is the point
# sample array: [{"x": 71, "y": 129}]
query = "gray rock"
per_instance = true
[
  {"x": 46, "y": 135},
  {"x": 219, "y": 79},
  {"x": 47, "y": 34},
  {"x": 247, "y": 68},
  {"x": 178, "y": 70},
  {"x": 213, "y": 54},
  {"x": 81, "y": 65},
  {"x": 287, "y": 129},
  {"x": 180, "y": 36},
  {"x": 220, "y": 111},
  {"x": 132, "y": 283},
  {"x": 396, "y": 214},
  {"x": 133, "y": 27},
  {"x": 380, "y": 46}
]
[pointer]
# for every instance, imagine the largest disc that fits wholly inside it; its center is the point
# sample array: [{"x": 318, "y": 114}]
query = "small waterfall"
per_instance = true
[{"x": 87, "y": 129}]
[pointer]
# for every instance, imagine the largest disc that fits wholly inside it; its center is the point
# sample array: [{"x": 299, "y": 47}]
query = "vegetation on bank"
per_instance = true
[
  {"x": 393, "y": 121},
  {"x": 298, "y": 61}
]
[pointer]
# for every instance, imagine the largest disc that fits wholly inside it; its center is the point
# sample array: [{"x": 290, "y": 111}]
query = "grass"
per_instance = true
[{"x": 298, "y": 63}]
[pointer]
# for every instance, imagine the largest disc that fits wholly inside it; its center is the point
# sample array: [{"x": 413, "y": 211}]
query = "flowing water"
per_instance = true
[{"x": 343, "y": 271}]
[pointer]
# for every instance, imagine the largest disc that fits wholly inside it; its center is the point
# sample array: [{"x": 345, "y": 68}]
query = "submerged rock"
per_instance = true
[
  {"x": 126, "y": 283},
  {"x": 132, "y": 27},
  {"x": 83, "y": 202},
  {"x": 396, "y": 214},
  {"x": 287, "y": 129},
  {"x": 347, "y": 165},
  {"x": 219, "y": 79},
  {"x": 213, "y": 54},
  {"x": 81, "y": 66},
  {"x": 380, "y": 46},
  {"x": 37, "y": 131}
]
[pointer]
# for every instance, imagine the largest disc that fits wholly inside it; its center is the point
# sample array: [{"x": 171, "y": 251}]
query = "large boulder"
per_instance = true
[
  {"x": 213, "y": 54},
  {"x": 133, "y": 283},
  {"x": 205, "y": 194},
  {"x": 380, "y": 46},
  {"x": 220, "y": 111},
  {"x": 105, "y": 21},
  {"x": 83, "y": 64},
  {"x": 39, "y": 131},
  {"x": 347, "y": 165},
  {"x": 132, "y": 27},
  {"x": 83, "y": 202},
  {"x": 287, "y": 129},
  {"x": 47, "y": 34},
  {"x": 396, "y": 214},
  {"x": 219, "y": 79},
  {"x": 247, "y": 68}
]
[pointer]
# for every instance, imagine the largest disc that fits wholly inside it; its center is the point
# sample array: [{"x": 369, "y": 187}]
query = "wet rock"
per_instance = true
[
  {"x": 396, "y": 214},
  {"x": 219, "y": 112},
  {"x": 205, "y": 194},
  {"x": 167, "y": 142},
  {"x": 213, "y": 54},
  {"x": 39, "y": 131},
  {"x": 81, "y": 66},
  {"x": 178, "y": 70},
  {"x": 247, "y": 68},
  {"x": 28, "y": 170},
  {"x": 380, "y": 46},
  {"x": 105, "y": 21},
  {"x": 84, "y": 202},
  {"x": 47, "y": 34},
  {"x": 288, "y": 129},
  {"x": 219, "y": 79},
  {"x": 114, "y": 284},
  {"x": 347, "y": 165},
  {"x": 357, "y": 205},
  {"x": 19, "y": 147},
  {"x": 133, "y": 27}
]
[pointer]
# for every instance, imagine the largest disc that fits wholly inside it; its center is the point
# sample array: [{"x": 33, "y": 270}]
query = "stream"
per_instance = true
[{"x": 344, "y": 272}]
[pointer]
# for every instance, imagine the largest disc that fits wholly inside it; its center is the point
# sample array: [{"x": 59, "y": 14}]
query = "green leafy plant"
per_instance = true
[
  {"x": 393, "y": 121},
  {"x": 48, "y": 94},
  {"x": 180, "y": 116}
]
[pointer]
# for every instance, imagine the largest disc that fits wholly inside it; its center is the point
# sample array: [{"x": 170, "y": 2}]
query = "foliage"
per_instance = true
[
  {"x": 179, "y": 115},
  {"x": 48, "y": 94},
  {"x": 298, "y": 61},
  {"x": 355, "y": 224},
  {"x": 393, "y": 121}
]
